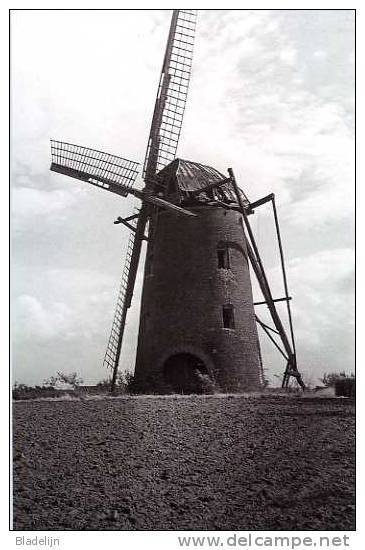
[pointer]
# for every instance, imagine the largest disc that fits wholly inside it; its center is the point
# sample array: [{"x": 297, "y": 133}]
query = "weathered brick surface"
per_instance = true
[{"x": 184, "y": 291}]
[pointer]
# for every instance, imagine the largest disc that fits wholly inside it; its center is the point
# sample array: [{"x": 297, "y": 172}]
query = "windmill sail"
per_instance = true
[
  {"x": 129, "y": 274},
  {"x": 161, "y": 150},
  {"x": 172, "y": 92},
  {"x": 116, "y": 174},
  {"x": 116, "y": 335}
]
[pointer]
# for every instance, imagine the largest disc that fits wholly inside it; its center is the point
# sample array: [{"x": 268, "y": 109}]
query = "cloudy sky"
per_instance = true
[{"x": 271, "y": 96}]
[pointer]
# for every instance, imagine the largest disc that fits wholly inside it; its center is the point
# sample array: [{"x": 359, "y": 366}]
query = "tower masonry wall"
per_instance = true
[{"x": 183, "y": 297}]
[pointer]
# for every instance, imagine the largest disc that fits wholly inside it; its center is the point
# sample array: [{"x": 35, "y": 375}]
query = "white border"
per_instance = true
[{"x": 165, "y": 540}]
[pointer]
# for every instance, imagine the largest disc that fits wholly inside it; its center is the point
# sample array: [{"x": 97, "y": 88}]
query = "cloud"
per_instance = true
[
  {"x": 34, "y": 320},
  {"x": 278, "y": 116},
  {"x": 271, "y": 95},
  {"x": 62, "y": 310},
  {"x": 29, "y": 204},
  {"x": 288, "y": 56},
  {"x": 322, "y": 286}
]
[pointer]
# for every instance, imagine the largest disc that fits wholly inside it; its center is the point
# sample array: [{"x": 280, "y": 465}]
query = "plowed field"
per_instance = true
[{"x": 181, "y": 463}]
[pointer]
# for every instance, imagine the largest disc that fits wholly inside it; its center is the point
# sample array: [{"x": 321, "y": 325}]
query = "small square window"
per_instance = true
[{"x": 228, "y": 316}]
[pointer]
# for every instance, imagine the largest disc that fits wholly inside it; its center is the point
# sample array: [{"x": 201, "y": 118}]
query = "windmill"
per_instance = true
[{"x": 198, "y": 325}]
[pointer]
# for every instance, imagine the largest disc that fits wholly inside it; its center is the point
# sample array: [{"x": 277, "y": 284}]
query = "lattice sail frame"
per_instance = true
[
  {"x": 172, "y": 93},
  {"x": 115, "y": 341},
  {"x": 102, "y": 169}
]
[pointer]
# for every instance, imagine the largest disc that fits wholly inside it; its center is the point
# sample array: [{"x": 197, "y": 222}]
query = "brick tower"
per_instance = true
[{"x": 197, "y": 327}]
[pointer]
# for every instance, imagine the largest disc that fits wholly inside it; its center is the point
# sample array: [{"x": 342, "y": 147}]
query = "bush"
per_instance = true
[
  {"x": 329, "y": 379},
  {"x": 345, "y": 386},
  {"x": 129, "y": 383},
  {"x": 48, "y": 388},
  {"x": 62, "y": 378},
  {"x": 124, "y": 384},
  {"x": 22, "y": 391}
]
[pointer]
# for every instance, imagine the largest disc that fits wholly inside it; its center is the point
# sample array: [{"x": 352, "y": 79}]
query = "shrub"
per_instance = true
[
  {"x": 329, "y": 379},
  {"x": 129, "y": 383},
  {"x": 62, "y": 378},
  {"x": 22, "y": 391},
  {"x": 124, "y": 384},
  {"x": 104, "y": 385},
  {"x": 345, "y": 386}
]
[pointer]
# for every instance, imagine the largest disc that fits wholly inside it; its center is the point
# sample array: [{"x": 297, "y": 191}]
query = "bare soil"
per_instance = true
[{"x": 184, "y": 463}]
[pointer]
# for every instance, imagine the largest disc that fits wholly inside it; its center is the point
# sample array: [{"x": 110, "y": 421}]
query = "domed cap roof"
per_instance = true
[{"x": 184, "y": 181}]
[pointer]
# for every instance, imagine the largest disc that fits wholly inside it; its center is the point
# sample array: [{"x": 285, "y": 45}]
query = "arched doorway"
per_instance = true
[{"x": 186, "y": 373}]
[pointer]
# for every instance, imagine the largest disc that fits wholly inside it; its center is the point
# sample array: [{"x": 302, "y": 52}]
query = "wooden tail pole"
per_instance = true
[{"x": 258, "y": 268}]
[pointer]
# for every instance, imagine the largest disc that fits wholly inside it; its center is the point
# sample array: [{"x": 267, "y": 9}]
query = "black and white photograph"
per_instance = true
[{"x": 182, "y": 233}]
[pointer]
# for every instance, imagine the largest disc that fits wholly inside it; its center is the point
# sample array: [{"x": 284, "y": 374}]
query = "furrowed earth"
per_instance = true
[{"x": 184, "y": 463}]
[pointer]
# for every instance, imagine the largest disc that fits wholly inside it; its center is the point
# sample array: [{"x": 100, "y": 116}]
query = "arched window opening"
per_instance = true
[{"x": 186, "y": 373}]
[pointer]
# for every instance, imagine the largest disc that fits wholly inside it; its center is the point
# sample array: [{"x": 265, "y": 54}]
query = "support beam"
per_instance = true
[
  {"x": 130, "y": 218},
  {"x": 255, "y": 204},
  {"x": 283, "y": 272},
  {"x": 262, "y": 201},
  {"x": 276, "y": 300},
  {"x": 119, "y": 189},
  {"x": 257, "y": 266},
  {"x": 217, "y": 202},
  {"x": 124, "y": 222},
  {"x": 162, "y": 203},
  {"x": 265, "y": 328},
  {"x": 210, "y": 186}
]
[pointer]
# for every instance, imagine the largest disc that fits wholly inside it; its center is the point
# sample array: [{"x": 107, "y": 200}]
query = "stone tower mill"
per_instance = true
[{"x": 197, "y": 315}]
